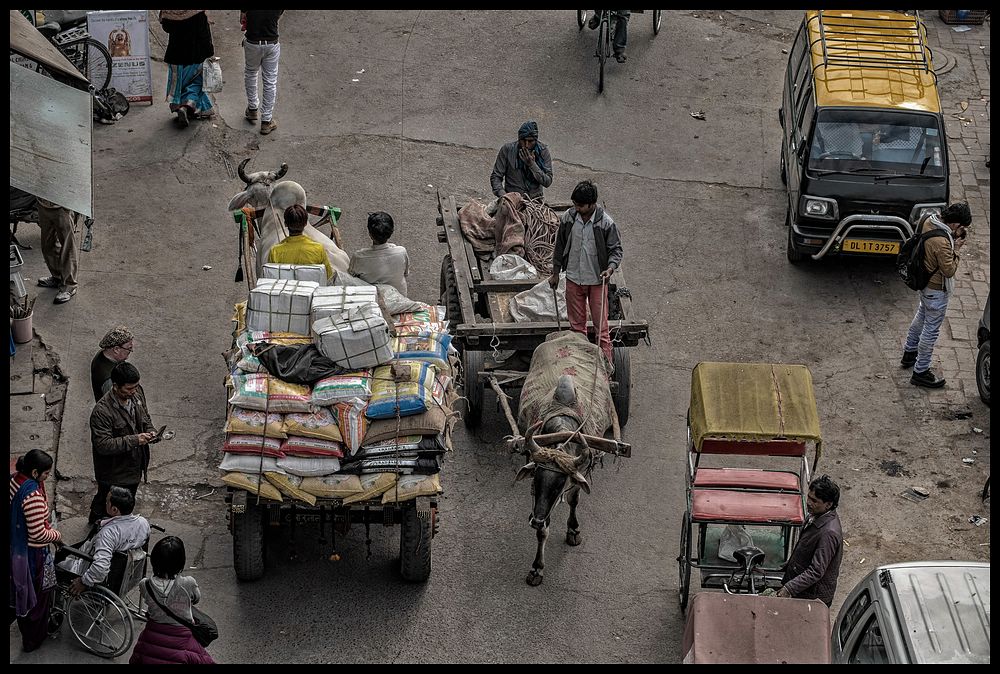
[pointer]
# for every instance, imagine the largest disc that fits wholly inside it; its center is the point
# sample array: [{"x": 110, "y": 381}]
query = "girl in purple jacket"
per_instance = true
[{"x": 165, "y": 641}]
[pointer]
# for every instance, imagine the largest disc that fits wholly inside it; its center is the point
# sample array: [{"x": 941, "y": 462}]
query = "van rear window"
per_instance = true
[{"x": 877, "y": 141}]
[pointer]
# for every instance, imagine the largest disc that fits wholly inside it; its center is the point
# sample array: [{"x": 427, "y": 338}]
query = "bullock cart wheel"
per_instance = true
[
  {"x": 474, "y": 388},
  {"x": 248, "y": 543},
  {"x": 684, "y": 562},
  {"x": 415, "y": 534},
  {"x": 623, "y": 377}
]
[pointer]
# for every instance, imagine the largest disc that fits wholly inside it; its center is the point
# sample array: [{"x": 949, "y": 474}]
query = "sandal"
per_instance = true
[{"x": 621, "y": 58}]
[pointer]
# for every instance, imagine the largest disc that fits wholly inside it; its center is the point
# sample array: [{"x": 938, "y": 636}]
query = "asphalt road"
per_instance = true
[{"x": 382, "y": 111}]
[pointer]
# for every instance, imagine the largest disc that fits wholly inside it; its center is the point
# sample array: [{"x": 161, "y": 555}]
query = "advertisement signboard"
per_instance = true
[{"x": 126, "y": 35}]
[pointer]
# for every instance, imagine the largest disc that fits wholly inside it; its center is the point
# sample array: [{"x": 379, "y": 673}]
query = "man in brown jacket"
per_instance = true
[
  {"x": 814, "y": 565},
  {"x": 940, "y": 258},
  {"x": 120, "y": 434}
]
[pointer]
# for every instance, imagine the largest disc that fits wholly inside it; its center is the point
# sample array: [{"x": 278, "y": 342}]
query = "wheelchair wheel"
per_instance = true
[{"x": 101, "y": 622}]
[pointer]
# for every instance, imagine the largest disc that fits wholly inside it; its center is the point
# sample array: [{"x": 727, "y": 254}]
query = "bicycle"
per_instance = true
[
  {"x": 606, "y": 35},
  {"x": 87, "y": 55}
]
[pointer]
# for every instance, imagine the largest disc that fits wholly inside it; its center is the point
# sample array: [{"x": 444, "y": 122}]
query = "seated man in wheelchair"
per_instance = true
[{"x": 120, "y": 532}]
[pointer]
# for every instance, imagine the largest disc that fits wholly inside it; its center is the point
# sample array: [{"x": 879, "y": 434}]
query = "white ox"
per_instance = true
[{"x": 271, "y": 200}]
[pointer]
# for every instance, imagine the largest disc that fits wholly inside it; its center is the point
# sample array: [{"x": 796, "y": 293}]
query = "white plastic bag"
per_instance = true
[
  {"x": 211, "y": 71},
  {"x": 732, "y": 539},
  {"x": 539, "y": 303},
  {"x": 511, "y": 267}
]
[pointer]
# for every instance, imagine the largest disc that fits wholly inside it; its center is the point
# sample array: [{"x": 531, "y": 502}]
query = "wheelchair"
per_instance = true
[{"x": 102, "y": 618}]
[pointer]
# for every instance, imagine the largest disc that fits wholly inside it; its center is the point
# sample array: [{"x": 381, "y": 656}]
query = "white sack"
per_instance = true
[{"x": 538, "y": 304}]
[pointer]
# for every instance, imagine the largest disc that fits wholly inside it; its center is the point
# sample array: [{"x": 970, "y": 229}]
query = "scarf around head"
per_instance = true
[{"x": 530, "y": 130}]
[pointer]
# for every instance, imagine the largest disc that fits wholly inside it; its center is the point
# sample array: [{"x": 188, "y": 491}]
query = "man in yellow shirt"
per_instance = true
[{"x": 297, "y": 248}]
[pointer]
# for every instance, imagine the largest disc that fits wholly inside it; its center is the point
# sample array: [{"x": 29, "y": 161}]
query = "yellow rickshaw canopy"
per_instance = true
[{"x": 753, "y": 401}]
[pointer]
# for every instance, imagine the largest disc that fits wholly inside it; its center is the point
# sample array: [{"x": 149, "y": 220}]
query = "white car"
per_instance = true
[{"x": 917, "y": 612}]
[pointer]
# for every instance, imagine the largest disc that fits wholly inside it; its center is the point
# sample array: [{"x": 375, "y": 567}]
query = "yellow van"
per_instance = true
[{"x": 863, "y": 154}]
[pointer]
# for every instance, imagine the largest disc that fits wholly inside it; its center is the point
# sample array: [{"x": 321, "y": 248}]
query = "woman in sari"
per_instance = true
[
  {"x": 189, "y": 45},
  {"x": 32, "y": 570}
]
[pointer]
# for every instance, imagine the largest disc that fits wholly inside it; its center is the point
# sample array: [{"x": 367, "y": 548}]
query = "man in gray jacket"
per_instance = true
[
  {"x": 523, "y": 165},
  {"x": 120, "y": 434},
  {"x": 589, "y": 248}
]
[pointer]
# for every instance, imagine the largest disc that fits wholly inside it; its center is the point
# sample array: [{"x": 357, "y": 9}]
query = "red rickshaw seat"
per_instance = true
[
  {"x": 748, "y": 478},
  {"x": 713, "y": 505}
]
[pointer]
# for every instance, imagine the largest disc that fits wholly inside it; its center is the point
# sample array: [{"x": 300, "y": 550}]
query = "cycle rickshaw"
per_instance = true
[
  {"x": 102, "y": 618},
  {"x": 760, "y": 413}
]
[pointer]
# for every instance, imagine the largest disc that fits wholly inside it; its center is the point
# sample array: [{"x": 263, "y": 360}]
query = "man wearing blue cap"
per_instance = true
[{"x": 523, "y": 165}]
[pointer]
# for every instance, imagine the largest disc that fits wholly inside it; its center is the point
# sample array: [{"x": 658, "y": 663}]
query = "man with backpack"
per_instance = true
[{"x": 941, "y": 237}]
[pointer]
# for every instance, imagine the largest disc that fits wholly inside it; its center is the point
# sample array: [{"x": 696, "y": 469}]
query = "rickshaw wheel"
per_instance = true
[{"x": 684, "y": 563}]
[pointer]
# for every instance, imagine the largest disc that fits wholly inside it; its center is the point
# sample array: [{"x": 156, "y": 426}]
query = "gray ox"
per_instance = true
[
  {"x": 556, "y": 472},
  {"x": 262, "y": 193}
]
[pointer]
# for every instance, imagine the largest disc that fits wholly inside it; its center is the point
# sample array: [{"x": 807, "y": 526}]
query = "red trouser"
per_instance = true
[{"x": 577, "y": 298}]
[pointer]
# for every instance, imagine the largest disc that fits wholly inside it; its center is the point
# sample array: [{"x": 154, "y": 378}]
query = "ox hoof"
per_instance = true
[
  {"x": 573, "y": 538},
  {"x": 533, "y": 579}
]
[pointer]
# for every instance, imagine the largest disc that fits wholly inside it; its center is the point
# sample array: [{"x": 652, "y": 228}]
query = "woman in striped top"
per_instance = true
[{"x": 30, "y": 535}]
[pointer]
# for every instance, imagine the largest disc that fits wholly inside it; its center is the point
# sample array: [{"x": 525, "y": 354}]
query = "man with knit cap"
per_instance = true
[
  {"x": 523, "y": 165},
  {"x": 116, "y": 347}
]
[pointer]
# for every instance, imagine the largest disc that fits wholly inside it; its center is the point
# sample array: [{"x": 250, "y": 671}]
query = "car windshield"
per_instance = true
[{"x": 877, "y": 142}]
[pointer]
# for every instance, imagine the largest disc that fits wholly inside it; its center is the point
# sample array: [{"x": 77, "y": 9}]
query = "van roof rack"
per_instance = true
[{"x": 873, "y": 41}]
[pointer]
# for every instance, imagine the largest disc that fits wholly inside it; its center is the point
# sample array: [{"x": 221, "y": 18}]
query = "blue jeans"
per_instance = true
[{"x": 925, "y": 326}]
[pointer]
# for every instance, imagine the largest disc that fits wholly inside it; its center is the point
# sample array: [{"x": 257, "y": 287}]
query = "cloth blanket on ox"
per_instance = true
[
  {"x": 568, "y": 353},
  {"x": 521, "y": 226},
  {"x": 162, "y": 644}
]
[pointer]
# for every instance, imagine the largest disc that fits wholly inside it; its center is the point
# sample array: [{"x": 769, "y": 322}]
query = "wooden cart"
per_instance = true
[{"x": 482, "y": 328}]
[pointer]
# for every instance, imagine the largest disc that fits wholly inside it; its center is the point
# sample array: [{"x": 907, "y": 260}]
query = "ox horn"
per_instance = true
[
  {"x": 281, "y": 172},
  {"x": 529, "y": 441},
  {"x": 242, "y": 173}
]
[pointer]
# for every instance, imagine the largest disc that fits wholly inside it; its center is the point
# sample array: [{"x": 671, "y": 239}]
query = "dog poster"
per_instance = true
[{"x": 125, "y": 33}]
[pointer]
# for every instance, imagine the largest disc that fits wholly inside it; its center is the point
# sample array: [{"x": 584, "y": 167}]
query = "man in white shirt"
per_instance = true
[{"x": 384, "y": 262}]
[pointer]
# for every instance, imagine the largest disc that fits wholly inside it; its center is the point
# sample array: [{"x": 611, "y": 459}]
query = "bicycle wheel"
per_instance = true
[
  {"x": 92, "y": 59},
  {"x": 101, "y": 622},
  {"x": 603, "y": 49},
  {"x": 581, "y": 18},
  {"x": 657, "y": 18}
]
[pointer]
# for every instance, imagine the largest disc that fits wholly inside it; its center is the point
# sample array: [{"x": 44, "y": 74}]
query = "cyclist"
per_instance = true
[{"x": 621, "y": 29}]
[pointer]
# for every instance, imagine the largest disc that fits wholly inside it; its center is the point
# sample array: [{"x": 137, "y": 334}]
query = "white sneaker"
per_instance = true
[{"x": 64, "y": 295}]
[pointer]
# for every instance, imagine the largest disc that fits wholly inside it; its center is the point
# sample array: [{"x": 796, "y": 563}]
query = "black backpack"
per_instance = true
[{"x": 910, "y": 260}]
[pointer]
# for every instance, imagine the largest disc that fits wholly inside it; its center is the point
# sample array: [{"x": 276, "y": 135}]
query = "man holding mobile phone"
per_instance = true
[
  {"x": 120, "y": 433},
  {"x": 523, "y": 166},
  {"x": 941, "y": 259}
]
